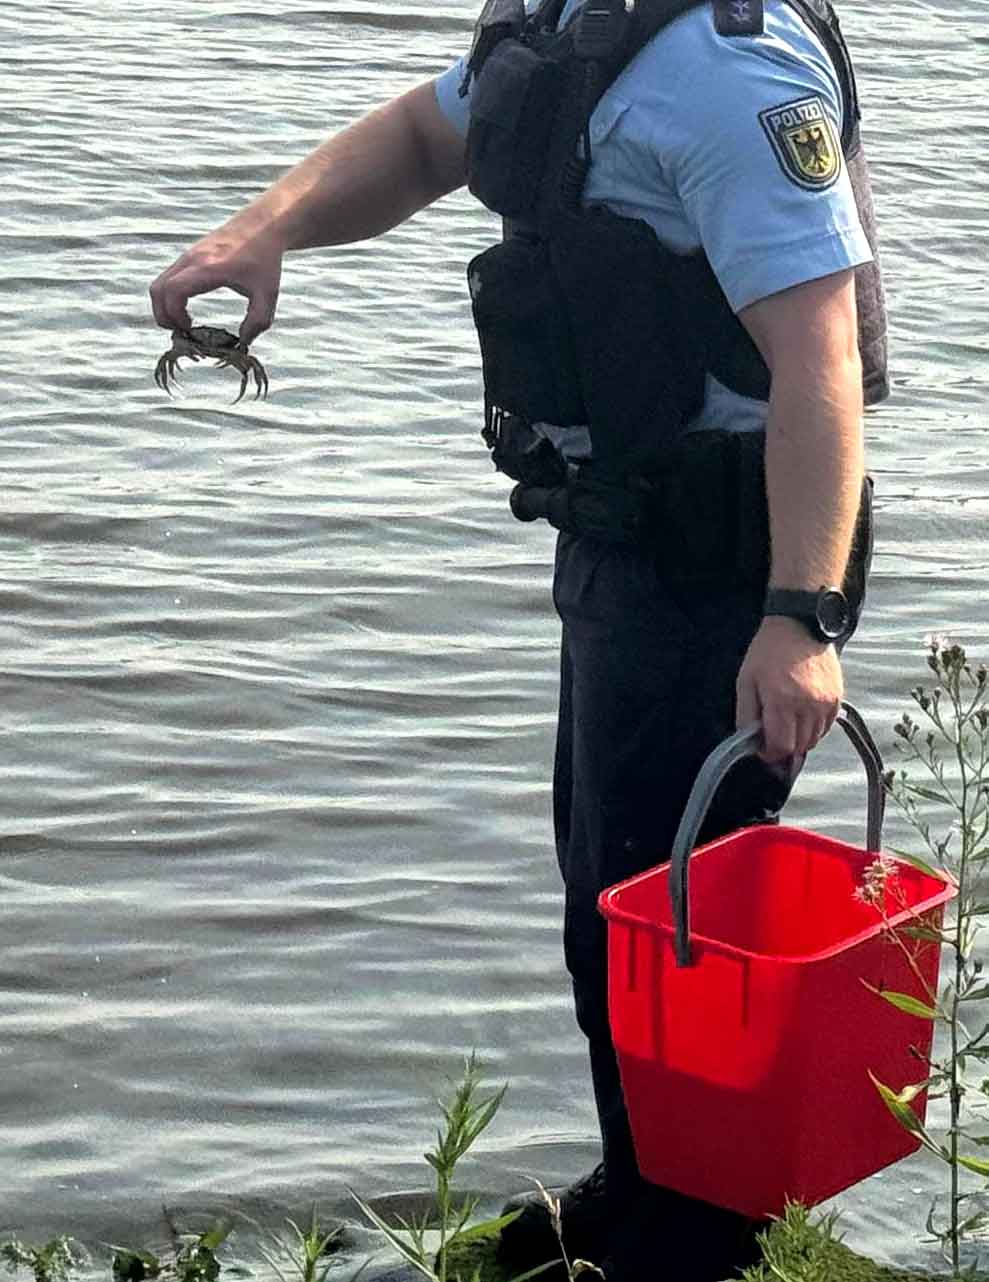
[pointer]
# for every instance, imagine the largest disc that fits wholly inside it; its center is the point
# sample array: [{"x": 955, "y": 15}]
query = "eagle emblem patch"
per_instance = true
[{"x": 804, "y": 141}]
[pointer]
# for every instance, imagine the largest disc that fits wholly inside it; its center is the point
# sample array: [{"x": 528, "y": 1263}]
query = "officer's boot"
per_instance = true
[
  {"x": 676, "y": 1239},
  {"x": 531, "y": 1240}
]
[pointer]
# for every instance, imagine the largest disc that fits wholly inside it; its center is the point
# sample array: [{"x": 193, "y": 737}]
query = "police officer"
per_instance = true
[{"x": 726, "y": 141}]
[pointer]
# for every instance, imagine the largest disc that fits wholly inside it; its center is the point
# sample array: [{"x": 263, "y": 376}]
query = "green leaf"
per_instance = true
[
  {"x": 973, "y": 1223},
  {"x": 975, "y": 994},
  {"x": 903, "y": 1001},
  {"x": 215, "y": 1236},
  {"x": 927, "y": 933},
  {"x": 915, "y": 861},
  {"x": 902, "y": 1111},
  {"x": 487, "y": 1227},
  {"x": 484, "y": 1114},
  {"x": 457, "y": 1220},
  {"x": 394, "y": 1238},
  {"x": 928, "y": 794},
  {"x": 977, "y": 1164}
]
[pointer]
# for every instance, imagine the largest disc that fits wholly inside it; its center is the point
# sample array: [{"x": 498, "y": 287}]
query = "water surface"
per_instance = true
[{"x": 278, "y": 679}]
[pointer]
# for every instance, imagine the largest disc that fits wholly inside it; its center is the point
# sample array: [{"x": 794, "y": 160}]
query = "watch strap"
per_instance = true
[
  {"x": 813, "y": 609},
  {"x": 791, "y": 601}
]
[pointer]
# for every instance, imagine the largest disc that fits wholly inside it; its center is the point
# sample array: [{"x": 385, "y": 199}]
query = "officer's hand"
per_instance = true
[
  {"x": 245, "y": 259},
  {"x": 792, "y": 684}
]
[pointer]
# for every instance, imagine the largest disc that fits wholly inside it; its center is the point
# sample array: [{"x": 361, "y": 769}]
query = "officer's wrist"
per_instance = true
[
  {"x": 824, "y": 613},
  {"x": 781, "y": 627}
]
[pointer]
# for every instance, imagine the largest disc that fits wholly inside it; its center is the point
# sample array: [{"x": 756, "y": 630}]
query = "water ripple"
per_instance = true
[{"x": 278, "y": 678}]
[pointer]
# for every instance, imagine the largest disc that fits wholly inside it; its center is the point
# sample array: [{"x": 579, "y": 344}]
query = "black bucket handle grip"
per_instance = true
[{"x": 745, "y": 743}]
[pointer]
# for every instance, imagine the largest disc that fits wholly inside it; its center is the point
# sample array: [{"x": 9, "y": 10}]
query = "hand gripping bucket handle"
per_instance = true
[{"x": 745, "y": 743}]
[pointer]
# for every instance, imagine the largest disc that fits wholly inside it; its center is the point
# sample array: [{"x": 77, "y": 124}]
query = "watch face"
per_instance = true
[{"x": 832, "y": 612}]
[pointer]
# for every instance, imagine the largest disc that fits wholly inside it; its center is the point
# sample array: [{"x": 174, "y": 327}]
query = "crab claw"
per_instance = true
[
  {"x": 165, "y": 371},
  {"x": 246, "y": 366}
]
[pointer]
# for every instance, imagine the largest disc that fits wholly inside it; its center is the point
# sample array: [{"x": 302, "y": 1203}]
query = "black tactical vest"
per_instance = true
[{"x": 583, "y": 316}]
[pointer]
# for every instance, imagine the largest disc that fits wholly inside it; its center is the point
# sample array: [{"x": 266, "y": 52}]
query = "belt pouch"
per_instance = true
[
  {"x": 698, "y": 508},
  {"x": 752, "y": 530},
  {"x": 715, "y": 518},
  {"x": 513, "y": 106},
  {"x": 527, "y": 350}
]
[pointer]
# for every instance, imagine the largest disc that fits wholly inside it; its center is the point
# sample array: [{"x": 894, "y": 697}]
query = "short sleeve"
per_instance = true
[
  {"x": 454, "y": 107},
  {"x": 752, "y": 149}
]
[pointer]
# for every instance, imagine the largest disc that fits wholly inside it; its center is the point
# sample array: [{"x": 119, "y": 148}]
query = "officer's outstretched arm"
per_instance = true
[
  {"x": 361, "y": 182},
  {"x": 808, "y": 338}
]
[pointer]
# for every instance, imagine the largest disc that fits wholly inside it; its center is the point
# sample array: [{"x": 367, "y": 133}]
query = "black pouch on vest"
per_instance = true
[
  {"x": 527, "y": 349},
  {"x": 499, "y": 19},
  {"x": 641, "y": 377},
  {"x": 512, "y": 110}
]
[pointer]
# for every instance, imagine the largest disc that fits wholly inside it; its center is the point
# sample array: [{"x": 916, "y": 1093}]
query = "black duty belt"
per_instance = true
[{"x": 703, "y": 511}]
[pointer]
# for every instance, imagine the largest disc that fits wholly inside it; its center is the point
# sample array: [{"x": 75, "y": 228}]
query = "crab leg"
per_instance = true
[
  {"x": 228, "y": 362},
  {"x": 246, "y": 366},
  {"x": 200, "y": 345},
  {"x": 164, "y": 370}
]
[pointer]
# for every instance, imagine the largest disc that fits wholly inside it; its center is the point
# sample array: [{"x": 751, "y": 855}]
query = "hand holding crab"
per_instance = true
[{"x": 208, "y": 340}]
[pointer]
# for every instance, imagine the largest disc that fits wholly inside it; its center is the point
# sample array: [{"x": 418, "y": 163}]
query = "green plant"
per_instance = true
[
  {"x": 952, "y": 749},
  {"x": 304, "y": 1253},
  {"x": 796, "y": 1250},
  {"x": 193, "y": 1255},
  {"x": 52, "y": 1262},
  {"x": 466, "y": 1116}
]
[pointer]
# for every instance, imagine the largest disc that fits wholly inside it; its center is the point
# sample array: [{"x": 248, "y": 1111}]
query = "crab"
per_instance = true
[{"x": 208, "y": 340}]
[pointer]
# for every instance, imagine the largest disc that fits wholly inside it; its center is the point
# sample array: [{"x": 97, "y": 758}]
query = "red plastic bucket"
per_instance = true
[{"x": 745, "y": 1039}]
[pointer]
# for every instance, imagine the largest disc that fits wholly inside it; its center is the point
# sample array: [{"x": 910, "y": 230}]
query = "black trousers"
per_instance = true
[{"x": 647, "y": 689}]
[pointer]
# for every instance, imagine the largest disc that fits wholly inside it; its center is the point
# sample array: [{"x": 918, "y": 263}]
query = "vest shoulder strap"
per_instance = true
[
  {"x": 603, "y": 38},
  {"x": 638, "y": 24},
  {"x": 645, "y": 20}
]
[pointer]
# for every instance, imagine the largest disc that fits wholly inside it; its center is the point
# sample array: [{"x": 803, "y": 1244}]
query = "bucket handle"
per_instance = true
[{"x": 745, "y": 743}]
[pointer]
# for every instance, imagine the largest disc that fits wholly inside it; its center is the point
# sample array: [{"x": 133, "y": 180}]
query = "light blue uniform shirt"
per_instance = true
[{"x": 686, "y": 138}]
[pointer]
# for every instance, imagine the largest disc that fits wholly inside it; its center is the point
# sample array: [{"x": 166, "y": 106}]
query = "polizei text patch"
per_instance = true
[{"x": 804, "y": 141}]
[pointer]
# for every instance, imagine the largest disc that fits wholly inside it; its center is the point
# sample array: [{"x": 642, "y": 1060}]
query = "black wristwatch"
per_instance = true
[{"x": 825, "y": 613}]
